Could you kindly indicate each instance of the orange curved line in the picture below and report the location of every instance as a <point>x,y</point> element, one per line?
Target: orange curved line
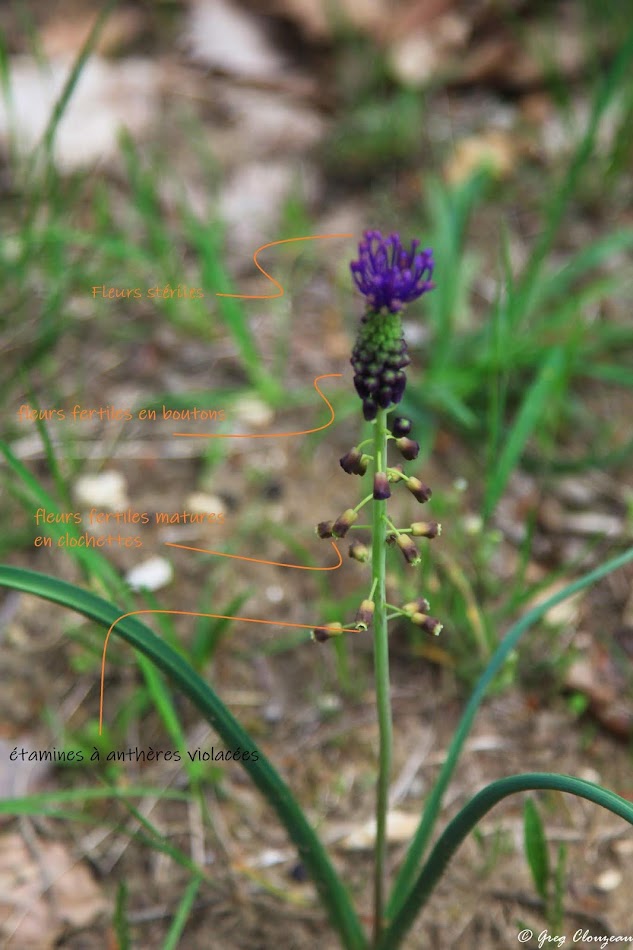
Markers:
<point>309,237</point>
<point>257,560</point>
<point>267,435</point>
<point>191,613</point>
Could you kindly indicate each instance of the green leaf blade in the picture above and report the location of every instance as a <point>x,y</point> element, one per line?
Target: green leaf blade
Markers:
<point>536,848</point>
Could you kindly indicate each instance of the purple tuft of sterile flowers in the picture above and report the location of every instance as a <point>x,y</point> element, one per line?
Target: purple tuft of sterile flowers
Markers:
<point>387,275</point>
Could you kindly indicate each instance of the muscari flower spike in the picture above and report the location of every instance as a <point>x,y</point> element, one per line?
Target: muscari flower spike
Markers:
<point>389,277</point>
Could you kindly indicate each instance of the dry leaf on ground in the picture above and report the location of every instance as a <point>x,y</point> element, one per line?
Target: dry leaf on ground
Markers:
<point>67,34</point>
<point>252,200</point>
<point>107,97</point>
<point>42,893</point>
<point>18,778</point>
<point>220,35</point>
<point>494,150</point>
<point>401,827</point>
<point>596,677</point>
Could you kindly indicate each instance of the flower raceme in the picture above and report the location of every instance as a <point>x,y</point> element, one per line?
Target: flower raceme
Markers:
<point>402,538</point>
<point>389,277</point>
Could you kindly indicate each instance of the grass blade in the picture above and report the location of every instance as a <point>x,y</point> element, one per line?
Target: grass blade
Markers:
<point>527,419</point>
<point>180,917</point>
<point>39,803</point>
<point>73,78</point>
<point>120,922</point>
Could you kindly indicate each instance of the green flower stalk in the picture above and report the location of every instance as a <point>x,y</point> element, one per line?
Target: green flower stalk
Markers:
<point>389,277</point>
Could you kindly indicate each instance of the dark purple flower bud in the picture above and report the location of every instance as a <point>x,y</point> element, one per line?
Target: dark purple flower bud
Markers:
<point>359,551</point>
<point>370,409</point>
<point>426,529</point>
<point>351,461</point>
<point>430,624</point>
<point>398,388</point>
<point>361,388</point>
<point>324,529</point>
<point>398,361</point>
<point>384,397</point>
<point>418,490</point>
<point>344,522</point>
<point>408,548</point>
<point>365,614</point>
<point>322,634</point>
<point>409,448</point>
<point>421,605</point>
<point>401,426</point>
<point>381,487</point>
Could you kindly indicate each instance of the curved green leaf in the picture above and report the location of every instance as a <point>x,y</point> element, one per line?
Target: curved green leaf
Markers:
<point>331,889</point>
<point>420,840</point>
<point>463,823</point>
